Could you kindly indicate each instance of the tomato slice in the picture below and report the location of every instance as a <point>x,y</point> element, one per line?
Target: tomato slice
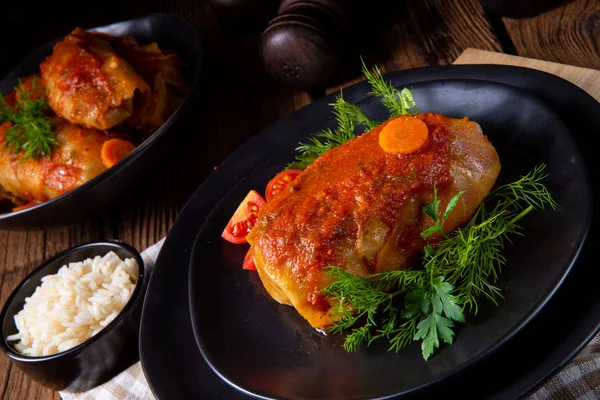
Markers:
<point>249,263</point>
<point>280,182</point>
<point>244,218</point>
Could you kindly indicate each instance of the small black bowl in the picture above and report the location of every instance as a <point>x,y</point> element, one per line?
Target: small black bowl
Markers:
<point>99,358</point>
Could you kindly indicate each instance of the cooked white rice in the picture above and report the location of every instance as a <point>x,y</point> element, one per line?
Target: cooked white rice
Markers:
<point>74,304</point>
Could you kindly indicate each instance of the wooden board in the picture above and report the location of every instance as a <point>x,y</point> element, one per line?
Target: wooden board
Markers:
<point>585,78</point>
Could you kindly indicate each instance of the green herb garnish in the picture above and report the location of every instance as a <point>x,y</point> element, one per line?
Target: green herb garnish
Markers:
<point>349,116</point>
<point>346,116</point>
<point>398,102</point>
<point>31,131</point>
<point>424,304</point>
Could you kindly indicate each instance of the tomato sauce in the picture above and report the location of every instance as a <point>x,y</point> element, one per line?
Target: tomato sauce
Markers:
<point>326,207</point>
<point>81,75</point>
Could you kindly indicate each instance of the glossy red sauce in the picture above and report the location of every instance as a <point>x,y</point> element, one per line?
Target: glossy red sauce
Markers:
<point>61,177</point>
<point>350,185</point>
<point>79,73</point>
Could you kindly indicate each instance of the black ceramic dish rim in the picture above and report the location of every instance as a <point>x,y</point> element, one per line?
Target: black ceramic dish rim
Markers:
<point>138,293</point>
<point>131,157</point>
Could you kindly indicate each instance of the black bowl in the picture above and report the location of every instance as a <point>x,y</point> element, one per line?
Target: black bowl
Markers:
<point>123,179</point>
<point>96,360</point>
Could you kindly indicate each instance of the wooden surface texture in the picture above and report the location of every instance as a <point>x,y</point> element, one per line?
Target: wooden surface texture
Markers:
<point>586,78</point>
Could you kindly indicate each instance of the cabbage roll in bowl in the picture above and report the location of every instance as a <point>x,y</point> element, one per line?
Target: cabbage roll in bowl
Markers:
<point>95,98</point>
<point>101,81</point>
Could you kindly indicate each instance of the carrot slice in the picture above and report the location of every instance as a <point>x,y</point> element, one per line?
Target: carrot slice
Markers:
<point>403,135</point>
<point>114,150</point>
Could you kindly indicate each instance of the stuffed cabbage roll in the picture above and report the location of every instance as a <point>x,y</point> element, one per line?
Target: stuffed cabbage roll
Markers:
<point>75,159</point>
<point>162,70</point>
<point>89,84</point>
<point>360,208</point>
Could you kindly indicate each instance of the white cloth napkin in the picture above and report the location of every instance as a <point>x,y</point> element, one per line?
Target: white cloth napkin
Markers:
<point>580,379</point>
<point>128,385</point>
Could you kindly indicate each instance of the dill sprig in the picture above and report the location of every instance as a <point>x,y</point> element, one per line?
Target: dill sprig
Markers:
<point>453,276</point>
<point>398,102</point>
<point>472,259</point>
<point>30,130</point>
<point>365,299</point>
<point>349,117</point>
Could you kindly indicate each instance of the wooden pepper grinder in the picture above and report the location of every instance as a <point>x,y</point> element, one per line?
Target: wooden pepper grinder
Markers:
<point>301,46</point>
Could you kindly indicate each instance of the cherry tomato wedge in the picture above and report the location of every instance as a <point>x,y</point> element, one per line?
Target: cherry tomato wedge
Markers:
<point>280,182</point>
<point>244,218</point>
<point>249,260</point>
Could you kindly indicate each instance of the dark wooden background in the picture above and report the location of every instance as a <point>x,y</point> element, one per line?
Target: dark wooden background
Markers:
<point>238,99</point>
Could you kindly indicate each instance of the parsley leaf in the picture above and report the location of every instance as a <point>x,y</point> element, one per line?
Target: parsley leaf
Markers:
<point>438,307</point>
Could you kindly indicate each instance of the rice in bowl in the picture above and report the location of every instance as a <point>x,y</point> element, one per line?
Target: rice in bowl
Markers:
<point>74,304</point>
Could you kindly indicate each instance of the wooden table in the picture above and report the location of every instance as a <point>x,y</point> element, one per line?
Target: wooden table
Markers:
<point>240,98</point>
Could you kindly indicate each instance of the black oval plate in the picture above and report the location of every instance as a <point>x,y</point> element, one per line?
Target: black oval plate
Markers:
<point>179,370</point>
<point>113,185</point>
<point>246,336</point>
